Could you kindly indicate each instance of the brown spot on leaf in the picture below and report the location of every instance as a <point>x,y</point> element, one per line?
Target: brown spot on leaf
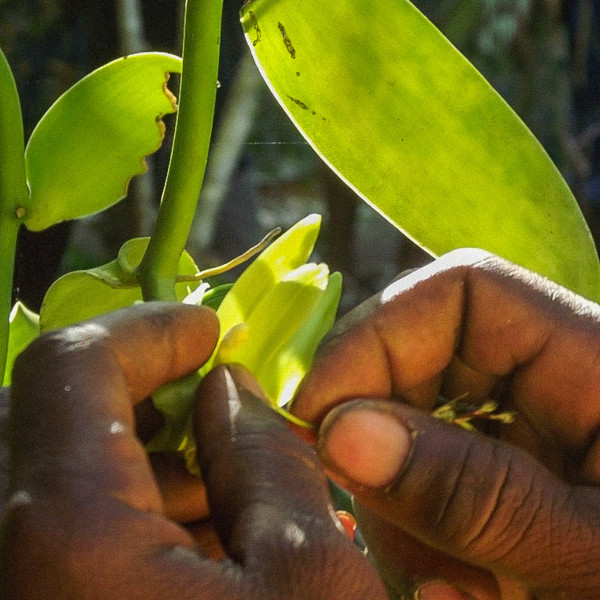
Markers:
<point>299,103</point>
<point>256,28</point>
<point>286,40</point>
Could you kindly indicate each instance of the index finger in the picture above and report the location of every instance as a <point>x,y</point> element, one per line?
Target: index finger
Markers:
<point>269,498</point>
<point>460,326</point>
<point>74,389</point>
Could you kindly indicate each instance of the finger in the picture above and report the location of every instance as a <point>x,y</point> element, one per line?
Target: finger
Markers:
<point>148,420</point>
<point>207,540</point>
<point>83,519</point>
<point>73,391</point>
<point>380,355</point>
<point>183,495</point>
<point>268,496</point>
<point>458,326</point>
<point>405,563</point>
<point>480,500</point>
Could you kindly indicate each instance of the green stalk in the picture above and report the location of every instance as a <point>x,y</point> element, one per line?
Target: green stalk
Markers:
<point>8,243</point>
<point>157,272</point>
<point>13,194</point>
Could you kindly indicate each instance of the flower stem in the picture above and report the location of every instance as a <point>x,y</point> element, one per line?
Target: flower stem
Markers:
<point>286,414</point>
<point>157,272</point>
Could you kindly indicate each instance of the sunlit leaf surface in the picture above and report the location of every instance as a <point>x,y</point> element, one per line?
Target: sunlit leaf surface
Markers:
<point>93,140</point>
<point>392,106</point>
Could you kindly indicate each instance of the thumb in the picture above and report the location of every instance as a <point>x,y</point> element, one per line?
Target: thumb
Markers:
<point>475,498</point>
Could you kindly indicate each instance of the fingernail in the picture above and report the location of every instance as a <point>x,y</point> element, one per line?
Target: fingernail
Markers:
<point>244,380</point>
<point>439,590</point>
<point>365,442</point>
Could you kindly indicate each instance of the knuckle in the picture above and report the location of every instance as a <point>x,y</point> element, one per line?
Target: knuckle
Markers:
<point>499,506</point>
<point>61,344</point>
<point>330,567</point>
<point>488,503</point>
<point>300,556</point>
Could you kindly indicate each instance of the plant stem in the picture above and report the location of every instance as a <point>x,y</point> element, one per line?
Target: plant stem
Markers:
<point>8,243</point>
<point>13,194</point>
<point>157,272</point>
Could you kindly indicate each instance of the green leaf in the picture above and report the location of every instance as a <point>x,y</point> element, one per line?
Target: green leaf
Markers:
<point>93,140</point>
<point>214,296</point>
<point>82,295</point>
<point>402,117</point>
<point>175,401</point>
<point>24,328</point>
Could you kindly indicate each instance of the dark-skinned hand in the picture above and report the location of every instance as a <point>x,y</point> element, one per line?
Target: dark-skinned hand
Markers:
<point>513,513</point>
<point>84,517</point>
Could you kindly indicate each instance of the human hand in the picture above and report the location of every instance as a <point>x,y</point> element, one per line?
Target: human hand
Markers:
<point>85,518</point>
<point>511,514</point>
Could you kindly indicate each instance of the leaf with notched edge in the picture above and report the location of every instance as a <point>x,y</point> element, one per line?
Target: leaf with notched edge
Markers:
<point>95,137</point>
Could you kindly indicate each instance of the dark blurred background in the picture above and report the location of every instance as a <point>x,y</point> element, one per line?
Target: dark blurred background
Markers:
<point>543,56</point>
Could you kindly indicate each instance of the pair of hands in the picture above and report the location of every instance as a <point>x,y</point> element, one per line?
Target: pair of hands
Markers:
<point>513,514</point>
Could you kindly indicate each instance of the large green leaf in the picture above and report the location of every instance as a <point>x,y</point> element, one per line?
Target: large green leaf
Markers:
<point>402,116</point>
<point>93,140</point>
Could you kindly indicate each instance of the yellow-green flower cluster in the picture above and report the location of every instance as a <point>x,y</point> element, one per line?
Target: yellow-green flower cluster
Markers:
<point>271,321</point>
<point>277,312</point>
